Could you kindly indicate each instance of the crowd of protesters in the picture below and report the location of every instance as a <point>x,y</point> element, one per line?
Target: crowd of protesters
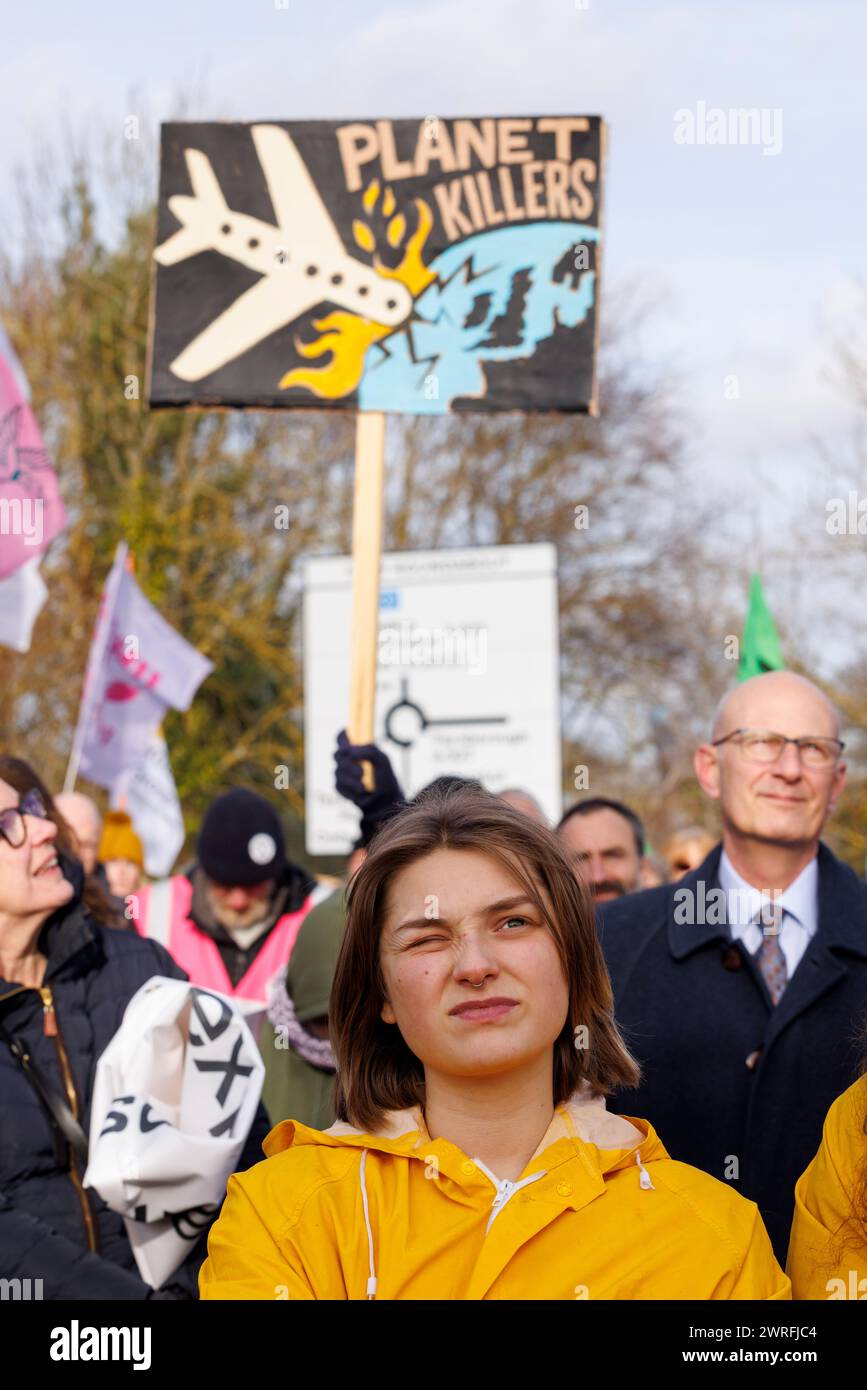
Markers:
<point>493,1053</point>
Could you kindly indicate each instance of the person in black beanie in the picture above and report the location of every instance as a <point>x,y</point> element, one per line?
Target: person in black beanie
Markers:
<point>231,919</point>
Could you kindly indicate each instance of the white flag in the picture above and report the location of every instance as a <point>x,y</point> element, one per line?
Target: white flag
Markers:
<point>148,794</point>
<point>138,667</point>
<point>8,351</point>
<point>22,595</point>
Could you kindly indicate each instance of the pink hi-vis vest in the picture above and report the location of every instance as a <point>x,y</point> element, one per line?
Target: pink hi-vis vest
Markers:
<point>162,914</point>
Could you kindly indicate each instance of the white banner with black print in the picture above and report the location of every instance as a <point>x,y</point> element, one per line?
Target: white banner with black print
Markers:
<point>174,1097</point>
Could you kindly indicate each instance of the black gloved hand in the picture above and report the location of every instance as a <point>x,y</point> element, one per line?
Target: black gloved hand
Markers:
<point>375,806</point>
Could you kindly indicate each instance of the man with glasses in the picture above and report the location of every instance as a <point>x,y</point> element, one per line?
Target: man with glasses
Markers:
<point>741,988</point>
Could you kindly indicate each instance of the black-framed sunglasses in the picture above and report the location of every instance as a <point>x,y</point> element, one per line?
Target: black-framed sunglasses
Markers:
<point>12,826</point>
<point>763,746</point>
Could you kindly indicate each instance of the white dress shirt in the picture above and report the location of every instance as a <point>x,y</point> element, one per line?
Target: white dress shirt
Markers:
<point>800,904</point>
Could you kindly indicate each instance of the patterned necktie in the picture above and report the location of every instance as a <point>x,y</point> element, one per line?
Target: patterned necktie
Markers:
<point>769,957</point>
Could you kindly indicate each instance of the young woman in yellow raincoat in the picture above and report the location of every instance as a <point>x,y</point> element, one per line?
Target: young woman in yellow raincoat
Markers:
<point>828,1246</point>
<point>471,1018</point>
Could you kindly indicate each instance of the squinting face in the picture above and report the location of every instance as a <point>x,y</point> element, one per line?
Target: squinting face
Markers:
<point>603,849</point>
<point>784,802</point>
<point>473,976</point>
<point>32,883</point>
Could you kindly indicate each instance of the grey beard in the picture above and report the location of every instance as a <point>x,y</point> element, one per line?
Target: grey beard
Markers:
<point>245,936</point>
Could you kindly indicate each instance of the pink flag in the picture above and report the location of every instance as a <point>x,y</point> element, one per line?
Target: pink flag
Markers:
<point>31,508</point>
<point>138,668</point>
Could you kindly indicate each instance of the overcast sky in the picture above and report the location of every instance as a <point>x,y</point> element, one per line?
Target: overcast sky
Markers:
<point>754,254</point>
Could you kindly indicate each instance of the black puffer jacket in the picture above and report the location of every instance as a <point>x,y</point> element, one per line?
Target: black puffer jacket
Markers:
<point>50,1229</point>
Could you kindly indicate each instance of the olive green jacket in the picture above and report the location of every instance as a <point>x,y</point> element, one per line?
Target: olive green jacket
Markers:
<point>293,1088</point>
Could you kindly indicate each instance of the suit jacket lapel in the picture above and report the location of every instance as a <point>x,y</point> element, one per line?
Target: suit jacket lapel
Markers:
<point>693,900</point>
<point>842,930</point>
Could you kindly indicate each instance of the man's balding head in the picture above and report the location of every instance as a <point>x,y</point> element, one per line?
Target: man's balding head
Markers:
<point>83,818</point>
<point>772,696</point>
<point>525,803</point>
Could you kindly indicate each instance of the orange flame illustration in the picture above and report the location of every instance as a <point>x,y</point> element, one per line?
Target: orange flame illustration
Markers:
<point>346,336</point>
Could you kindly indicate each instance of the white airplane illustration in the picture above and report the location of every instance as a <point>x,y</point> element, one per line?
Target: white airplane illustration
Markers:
<point>302,260</point>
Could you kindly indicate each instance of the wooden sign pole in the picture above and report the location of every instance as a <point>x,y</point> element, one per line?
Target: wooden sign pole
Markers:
<point>366,551</point>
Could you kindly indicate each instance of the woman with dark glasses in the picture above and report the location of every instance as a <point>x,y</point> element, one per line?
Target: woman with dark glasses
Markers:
<point>65,981</point>
<point>94,896</point>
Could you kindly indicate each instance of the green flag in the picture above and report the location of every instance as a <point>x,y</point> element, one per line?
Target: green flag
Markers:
<point>760,647</point>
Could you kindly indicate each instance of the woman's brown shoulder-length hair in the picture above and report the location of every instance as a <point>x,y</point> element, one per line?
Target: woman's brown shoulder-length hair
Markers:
<point>376,1071</point>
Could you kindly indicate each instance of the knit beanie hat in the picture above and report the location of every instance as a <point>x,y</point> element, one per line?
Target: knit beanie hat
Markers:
<point>241,839</point>
<point>119,840</point>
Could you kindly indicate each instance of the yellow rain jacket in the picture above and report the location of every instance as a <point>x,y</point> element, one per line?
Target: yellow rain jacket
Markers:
<point>601,1211</point>
<point>828,1246</point>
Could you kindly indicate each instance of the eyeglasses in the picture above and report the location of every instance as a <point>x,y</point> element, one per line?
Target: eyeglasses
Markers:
<point>762,746</point>
<point>12,826</point>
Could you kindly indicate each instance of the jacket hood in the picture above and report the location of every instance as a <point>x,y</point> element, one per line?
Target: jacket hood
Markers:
<point>606,1141</point>
<point>583,1143</point>
<point>341,1214</point>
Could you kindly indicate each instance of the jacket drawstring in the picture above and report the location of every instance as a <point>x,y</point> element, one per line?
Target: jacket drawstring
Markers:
<point>371,1282</point>
<point>645,1179</point>
<point>505,1190</point>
